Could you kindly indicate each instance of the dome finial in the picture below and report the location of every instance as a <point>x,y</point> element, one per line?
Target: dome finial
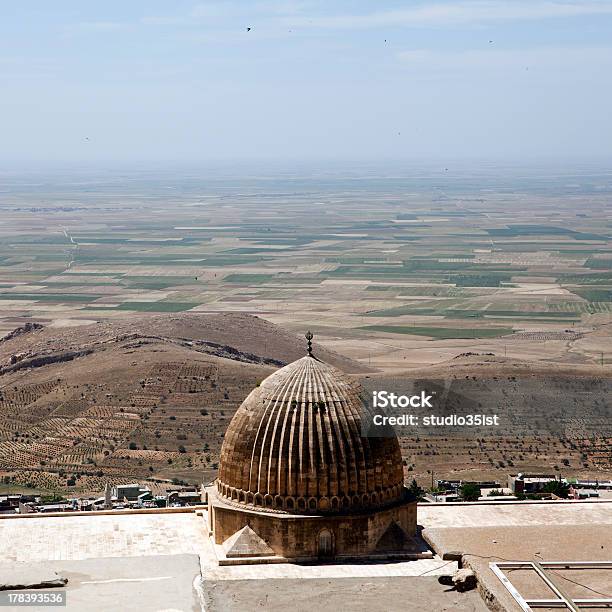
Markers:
<point>308,335</point>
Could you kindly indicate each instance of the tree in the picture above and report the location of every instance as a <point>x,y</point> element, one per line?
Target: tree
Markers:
<point>469,492</point>
<point>415,491</point>
<point>558,488</point>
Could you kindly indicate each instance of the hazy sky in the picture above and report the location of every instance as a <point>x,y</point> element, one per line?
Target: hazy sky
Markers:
<point>186,81</point>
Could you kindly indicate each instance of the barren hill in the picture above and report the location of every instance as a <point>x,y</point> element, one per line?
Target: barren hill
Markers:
<point>236,336</point>
<point>136,398</point>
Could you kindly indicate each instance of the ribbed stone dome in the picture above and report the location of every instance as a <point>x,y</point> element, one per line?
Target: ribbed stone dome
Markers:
<point>295,445</point>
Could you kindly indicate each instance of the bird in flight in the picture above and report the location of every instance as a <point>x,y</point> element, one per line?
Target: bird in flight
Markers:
<point>248,29</point>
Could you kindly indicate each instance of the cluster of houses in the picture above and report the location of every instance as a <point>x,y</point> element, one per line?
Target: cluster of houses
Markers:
<point>533,484</point>
<point>135,496</point>
<point>119,497</point>
<point>518,486</point>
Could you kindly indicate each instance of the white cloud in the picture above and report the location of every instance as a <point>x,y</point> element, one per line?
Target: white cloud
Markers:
<point>213,10</point>
<point>309,15</point>
<point>164,20</point>
<point>540,60</point>
<point>263,8</point>
<point>100,26</point>
<point>462,12</point>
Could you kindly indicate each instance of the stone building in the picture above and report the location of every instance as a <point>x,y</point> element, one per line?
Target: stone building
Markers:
<point>298,481</point>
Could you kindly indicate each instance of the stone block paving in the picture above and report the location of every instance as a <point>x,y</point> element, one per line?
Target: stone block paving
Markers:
<point>90,537</point>
<point>75,537</point>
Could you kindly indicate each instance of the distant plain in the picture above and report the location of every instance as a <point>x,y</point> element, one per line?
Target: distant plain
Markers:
<point>395,269</point>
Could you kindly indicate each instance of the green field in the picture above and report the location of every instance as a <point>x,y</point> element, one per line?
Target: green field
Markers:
<point>155,306</point>
<point>248,279</point>
<point>594,295</point>
<point>442,333</point>
<point>468,256</point>
<point>50,297</point>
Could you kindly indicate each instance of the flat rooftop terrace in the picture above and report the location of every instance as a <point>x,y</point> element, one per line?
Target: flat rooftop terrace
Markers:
<point>539,531</point>
<point>139,552</point>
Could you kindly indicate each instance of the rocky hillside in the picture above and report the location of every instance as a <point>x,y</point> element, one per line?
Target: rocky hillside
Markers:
<point>151,397</point>
<point>138,398</point>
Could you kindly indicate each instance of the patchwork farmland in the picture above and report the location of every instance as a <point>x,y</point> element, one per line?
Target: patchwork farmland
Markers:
<point>376,267</point>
